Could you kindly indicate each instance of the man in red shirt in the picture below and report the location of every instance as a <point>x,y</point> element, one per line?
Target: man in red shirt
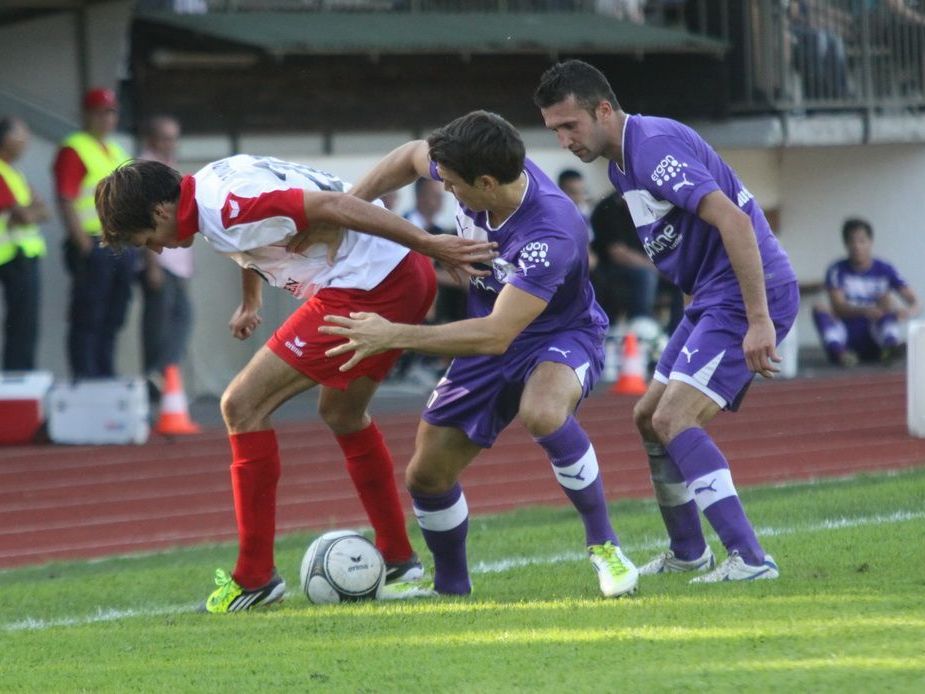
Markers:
<point>101,279</point>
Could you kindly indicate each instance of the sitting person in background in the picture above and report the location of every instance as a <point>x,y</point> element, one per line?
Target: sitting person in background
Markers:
<point>862,323</point>
<point>625,281</point>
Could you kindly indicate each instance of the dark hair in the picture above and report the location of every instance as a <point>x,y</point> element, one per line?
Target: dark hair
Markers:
<point>567,175</point>
<point>6,124</point>
<point>853,223</point>
<point>576,78</point>
<point>479,144</point>
<point>126,198</point>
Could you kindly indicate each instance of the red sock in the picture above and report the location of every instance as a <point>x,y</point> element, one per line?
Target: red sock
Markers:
<point>254,473</point>
<point>369,464</point>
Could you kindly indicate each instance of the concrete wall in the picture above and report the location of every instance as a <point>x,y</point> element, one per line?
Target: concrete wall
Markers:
<point>52,78</point>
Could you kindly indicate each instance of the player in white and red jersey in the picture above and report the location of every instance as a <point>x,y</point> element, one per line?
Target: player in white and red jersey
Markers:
<point>258,211</point>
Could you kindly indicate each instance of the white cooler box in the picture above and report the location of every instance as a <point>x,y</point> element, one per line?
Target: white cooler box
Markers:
<point>99,411</point>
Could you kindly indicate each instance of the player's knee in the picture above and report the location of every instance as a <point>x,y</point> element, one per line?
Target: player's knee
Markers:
<point>232,408</point>
<point>542,419</point>
<point>422,478</point>
<point>663,424</point>
<point>343,420</point>
<point>642,417</point>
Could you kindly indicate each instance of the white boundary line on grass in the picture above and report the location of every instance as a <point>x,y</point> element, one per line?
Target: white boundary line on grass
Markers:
<point>111,615</point>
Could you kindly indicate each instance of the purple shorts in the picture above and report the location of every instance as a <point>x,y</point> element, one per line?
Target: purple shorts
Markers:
<point>705,350</point>
<point>481,395</point>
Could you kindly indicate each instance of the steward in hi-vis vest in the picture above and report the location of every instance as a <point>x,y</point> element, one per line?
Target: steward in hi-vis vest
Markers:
<point>21,246</point>
<point>101,279</point>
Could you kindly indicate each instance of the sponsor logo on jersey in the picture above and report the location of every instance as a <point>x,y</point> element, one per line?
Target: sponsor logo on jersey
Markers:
<point>533,255</point>
<point>666,240</point>
<point>743,196</point>
<point>667,168</point>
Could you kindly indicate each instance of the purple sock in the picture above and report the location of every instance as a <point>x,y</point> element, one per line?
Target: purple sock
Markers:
<point>678,508</point>
<point>708,478</point>
<point>575,465</point>
<point>444,521</point>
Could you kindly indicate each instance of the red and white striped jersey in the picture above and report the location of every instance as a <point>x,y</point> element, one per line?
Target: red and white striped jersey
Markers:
<point>248,209</point>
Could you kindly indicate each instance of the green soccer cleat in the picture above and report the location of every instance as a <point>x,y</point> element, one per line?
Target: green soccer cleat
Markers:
<point>408,590</point>
<point>230,597</point>
<point>617,575</point>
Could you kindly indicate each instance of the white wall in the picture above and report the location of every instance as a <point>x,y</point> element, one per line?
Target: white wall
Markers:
<point>821,187</point>
<point>50,77</point>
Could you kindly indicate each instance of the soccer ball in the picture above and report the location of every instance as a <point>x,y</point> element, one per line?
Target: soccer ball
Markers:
<point>342,566</point>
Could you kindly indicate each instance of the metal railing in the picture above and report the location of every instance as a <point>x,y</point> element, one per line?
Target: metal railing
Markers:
<point>831,55</point>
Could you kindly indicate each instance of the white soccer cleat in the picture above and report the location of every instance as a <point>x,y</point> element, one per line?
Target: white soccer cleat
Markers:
<point>668,563</point>
<point>616,574</point>
<point>735,569</point>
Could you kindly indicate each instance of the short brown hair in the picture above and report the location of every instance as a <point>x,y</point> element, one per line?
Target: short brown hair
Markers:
<point>126,198</point>
<point>479,144</point>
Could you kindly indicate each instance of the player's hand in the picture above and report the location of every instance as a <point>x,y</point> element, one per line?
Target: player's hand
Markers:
<point>244,322</point>
<point>329,235</point>
<point>367,334</point>
<point>759,347</point>
<point>457,254</point>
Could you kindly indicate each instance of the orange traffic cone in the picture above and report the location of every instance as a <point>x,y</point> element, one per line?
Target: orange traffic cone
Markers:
<point>632,380</point>
<point>174,417</point>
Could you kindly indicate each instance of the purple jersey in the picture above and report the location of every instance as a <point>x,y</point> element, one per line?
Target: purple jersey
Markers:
<point>669,169</point>
<point>864,287</point>
<point>542,250</point>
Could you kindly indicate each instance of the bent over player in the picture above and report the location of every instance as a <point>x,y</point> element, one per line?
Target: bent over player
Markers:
<point>258,212</point>
<point>532,346</point>
<point>704,230</point>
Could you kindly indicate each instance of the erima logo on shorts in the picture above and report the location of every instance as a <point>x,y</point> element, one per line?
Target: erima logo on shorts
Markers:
<point>295,346</point>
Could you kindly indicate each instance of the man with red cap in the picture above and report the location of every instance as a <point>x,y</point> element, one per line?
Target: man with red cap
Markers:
<point>101,279</point>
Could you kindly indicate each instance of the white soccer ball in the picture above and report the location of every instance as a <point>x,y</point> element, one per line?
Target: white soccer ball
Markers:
<point>342,566</point>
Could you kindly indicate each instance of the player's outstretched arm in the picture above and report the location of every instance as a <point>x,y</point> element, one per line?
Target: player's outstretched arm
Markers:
<point>401,166</point>
<point>368,333</point>
<point>735,228</point>
<point>350,212</point>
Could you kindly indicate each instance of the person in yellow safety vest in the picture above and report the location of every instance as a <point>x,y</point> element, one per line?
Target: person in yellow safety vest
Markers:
<point>21,246</point>
<point>101,279</point>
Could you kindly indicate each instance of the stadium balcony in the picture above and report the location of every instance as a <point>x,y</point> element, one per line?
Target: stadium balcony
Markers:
<point>386,64</point>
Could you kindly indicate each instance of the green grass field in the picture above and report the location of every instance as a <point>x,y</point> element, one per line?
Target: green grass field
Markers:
<point>848,613</point>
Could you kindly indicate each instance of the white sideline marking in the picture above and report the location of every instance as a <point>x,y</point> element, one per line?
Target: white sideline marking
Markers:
<point>111,615</point>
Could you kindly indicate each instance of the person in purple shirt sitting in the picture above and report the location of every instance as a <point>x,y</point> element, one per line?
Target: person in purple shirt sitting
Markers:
<point>532,346</point>
<point>704,230</point>
<point>863,322</point>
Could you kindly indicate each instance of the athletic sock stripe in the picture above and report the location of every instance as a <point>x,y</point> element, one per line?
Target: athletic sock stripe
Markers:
<point>443,519</point>
<point>712,487</point>
<point>579,474</point>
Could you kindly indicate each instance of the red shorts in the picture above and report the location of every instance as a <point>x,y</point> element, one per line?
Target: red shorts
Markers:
<point>404,296</point>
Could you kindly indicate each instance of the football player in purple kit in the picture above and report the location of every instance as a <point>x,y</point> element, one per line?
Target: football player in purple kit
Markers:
<point>862,323</point>
<point>532,347</point>
<point>703,229</point>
